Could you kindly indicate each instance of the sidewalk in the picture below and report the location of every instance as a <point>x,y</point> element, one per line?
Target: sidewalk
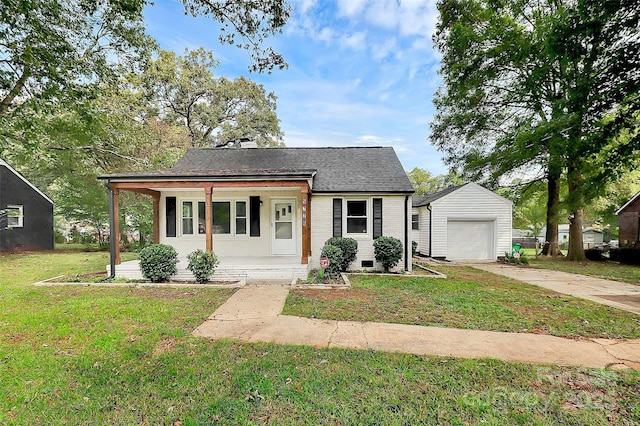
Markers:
<point>611,293</point>
<point>252,314</point>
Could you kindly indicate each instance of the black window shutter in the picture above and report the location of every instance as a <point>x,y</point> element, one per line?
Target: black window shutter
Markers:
<point>254,216</point>
<point>377,218</point>
<point>337,217</point>
<point>171,216</point>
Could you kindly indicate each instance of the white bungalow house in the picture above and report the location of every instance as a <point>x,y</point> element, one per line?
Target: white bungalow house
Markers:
<point>465,222</point>
<point>267,212</point>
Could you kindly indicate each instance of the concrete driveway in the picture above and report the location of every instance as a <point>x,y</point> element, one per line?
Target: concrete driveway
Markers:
<point>611,293</point>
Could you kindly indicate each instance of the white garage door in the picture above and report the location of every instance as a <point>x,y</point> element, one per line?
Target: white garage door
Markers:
<point>470,240</point>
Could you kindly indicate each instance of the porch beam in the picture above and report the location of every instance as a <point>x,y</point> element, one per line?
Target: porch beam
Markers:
<point>145,191</point>
<point>147,185</point>
<point>208,217</point>
<point>116,225</point>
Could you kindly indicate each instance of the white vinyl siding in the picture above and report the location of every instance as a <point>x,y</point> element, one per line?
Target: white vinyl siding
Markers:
<point>469,203</point>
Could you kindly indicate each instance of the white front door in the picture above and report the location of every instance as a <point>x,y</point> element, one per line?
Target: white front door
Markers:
<point>283,226</point>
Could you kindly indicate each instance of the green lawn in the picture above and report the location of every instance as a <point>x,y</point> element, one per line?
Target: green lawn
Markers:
<point>468,298</point>
<point>607,270</point>
<point>91,355</point>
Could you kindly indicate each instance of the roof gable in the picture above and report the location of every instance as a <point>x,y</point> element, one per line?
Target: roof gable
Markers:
<point>425,200</point>
<point>15,172</point>
<point>628,204</point>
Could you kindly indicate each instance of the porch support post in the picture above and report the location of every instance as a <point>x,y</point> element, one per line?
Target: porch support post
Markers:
<point>208,217</point>
<point>306,224</point>
<point>156,219</point>
<point>116,225</point>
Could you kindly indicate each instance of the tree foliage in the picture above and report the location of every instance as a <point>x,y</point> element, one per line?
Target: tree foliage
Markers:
<point>246,24</point>
<point>425,183</point>
<point>182,90</point>
<point>541,88</point>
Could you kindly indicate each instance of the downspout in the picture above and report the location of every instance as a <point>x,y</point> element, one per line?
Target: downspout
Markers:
<point>112,237</point>
<point>430,228</point>
<point>406,232</point>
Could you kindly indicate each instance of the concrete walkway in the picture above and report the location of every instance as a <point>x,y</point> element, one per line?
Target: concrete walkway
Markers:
<point>252,314</point>
<point>611,293</point>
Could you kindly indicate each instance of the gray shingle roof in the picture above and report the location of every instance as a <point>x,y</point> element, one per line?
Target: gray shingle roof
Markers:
<point>425,200</point>
<point>357,169</point>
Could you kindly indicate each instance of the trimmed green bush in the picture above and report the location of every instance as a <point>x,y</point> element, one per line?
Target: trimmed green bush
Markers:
<point>349,248</point>
<point>388,251</point>
<point>158,262</point>
<point>334,254</point>
<point>202,264</point>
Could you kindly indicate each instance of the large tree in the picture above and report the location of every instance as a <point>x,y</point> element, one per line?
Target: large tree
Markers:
<point>425,183</point>
<point>540,89</point>
<point>58,53</point>
<point>215,111</point>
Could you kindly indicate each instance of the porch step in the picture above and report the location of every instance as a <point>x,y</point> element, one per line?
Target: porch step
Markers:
<point>131,270</point>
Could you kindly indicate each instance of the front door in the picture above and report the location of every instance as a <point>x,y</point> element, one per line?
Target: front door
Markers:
<point>283,225</point>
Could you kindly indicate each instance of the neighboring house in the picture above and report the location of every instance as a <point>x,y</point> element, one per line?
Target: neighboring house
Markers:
<point>629,223</point>
<point>248,203</point>
<point>27,219</point>
<point>465,222</point>
<point>591,237</point>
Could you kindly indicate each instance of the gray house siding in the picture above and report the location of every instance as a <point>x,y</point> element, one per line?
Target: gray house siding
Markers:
<point>36,232</point>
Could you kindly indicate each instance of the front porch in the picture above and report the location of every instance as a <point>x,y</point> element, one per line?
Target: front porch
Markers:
<point>231,269</point>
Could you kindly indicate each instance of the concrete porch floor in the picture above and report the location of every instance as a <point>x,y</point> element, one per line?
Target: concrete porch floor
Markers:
<point>231,268</point>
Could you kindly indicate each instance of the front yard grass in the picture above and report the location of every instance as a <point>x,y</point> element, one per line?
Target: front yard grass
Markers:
<point>607,270</point>
<point>467,298</point>
<point>96,355</point>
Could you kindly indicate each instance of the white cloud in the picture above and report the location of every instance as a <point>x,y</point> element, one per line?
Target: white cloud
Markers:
<point>350,8</point>
<point>410,17</point>
<point>304,5</point>
<point>325,35</point>
<point>370,139</point>
<point>355,41</point>
<point>381,51</point>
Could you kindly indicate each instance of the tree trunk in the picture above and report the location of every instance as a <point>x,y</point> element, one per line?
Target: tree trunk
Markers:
<point>551,247</point>
<point>576,197</point>
<point>576,248</point>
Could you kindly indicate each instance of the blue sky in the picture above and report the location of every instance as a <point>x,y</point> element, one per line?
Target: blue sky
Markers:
<point>361,72</point>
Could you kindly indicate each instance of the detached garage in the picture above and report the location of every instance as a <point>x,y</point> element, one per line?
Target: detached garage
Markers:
<point>465,222</point>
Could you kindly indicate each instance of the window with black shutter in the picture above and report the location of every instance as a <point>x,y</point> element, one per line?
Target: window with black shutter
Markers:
<point>377,218</point>
<point>254,216</point>
<point>171,216</point>
<point>337,217</point>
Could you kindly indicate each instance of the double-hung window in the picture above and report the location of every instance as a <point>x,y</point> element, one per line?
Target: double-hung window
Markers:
<point>241,217</point>
<point>15,216</point>
<point>415,222</point>
<point>356,216</point>
<point>187,217</point>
